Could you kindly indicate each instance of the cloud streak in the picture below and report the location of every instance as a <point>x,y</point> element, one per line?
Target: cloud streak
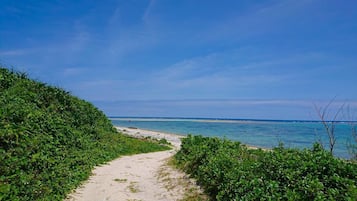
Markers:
<point>234,108</point>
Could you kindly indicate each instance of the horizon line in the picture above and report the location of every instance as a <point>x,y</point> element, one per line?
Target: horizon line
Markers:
<point>229,119</point>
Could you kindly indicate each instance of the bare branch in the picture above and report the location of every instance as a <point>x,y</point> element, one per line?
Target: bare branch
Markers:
<point>329,124</point>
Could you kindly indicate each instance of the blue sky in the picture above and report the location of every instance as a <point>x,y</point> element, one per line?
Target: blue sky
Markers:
<point>270,59</point>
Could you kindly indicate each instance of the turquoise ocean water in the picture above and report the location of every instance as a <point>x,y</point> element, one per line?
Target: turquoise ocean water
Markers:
<point>261,133</point>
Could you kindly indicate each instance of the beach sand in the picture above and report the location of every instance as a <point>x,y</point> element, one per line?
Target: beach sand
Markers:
<point>174,139</point>
<point>146,177</point>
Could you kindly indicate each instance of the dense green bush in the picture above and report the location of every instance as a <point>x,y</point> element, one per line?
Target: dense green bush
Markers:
<point>228,170</point>
<point>50,140</point>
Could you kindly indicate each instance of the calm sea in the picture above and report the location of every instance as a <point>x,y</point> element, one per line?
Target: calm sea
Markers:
<point>260,133</point>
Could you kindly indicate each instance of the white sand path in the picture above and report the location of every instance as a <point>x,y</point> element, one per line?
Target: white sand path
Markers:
<point>145,177</point>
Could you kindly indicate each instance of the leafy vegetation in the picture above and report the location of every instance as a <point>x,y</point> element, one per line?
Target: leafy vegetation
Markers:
<point>50,140</point>
<point>228,170</point>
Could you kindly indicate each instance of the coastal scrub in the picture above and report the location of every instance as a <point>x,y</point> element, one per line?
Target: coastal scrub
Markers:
<point>228,170</point>
<point>50,140</point>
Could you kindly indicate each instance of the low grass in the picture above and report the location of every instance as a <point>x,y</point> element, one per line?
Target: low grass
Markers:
<point>172,182</point>
<point>121,180</point>
<point>133,187</point>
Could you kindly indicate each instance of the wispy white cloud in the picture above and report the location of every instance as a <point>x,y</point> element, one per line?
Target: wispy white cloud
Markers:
<point>232,74</point>
<point>146,16</point>
<point>115,17</point>
<point>123,39</point>
<point>206,72</point>
<point>69,72</point>
<point>258,109</point>
<point>192,67</point>
<point>226,108</point>
<point>15,52</point>
<point>260,19</point>
<point>80,38</point>
<point>98,83</point>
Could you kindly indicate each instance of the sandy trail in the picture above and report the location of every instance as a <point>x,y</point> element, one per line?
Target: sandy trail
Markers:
<point>145,177</point>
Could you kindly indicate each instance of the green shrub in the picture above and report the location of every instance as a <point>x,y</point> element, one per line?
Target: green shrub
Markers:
<point>50,140</point>
<point>229,171</point>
